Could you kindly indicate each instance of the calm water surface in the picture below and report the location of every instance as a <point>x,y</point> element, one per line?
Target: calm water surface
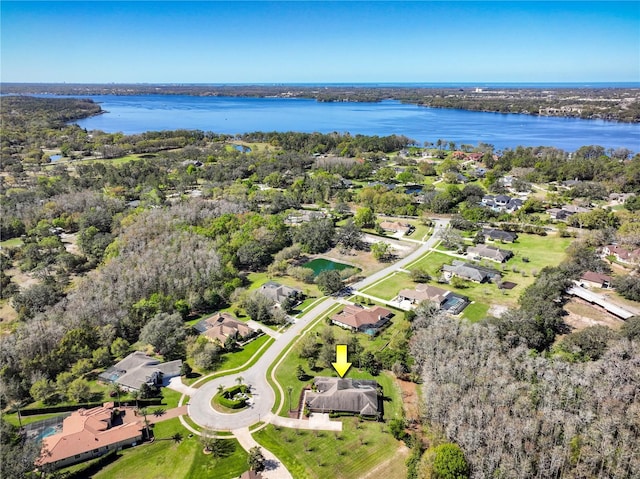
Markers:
<point>137,114</point>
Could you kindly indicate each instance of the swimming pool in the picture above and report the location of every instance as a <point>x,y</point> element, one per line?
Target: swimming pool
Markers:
<point>49,431</point>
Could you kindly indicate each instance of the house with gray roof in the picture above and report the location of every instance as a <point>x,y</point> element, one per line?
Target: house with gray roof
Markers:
<point>357,396</point>
<point>138,369</point>
<point>499,235</point>
<point>278,292</point>
<point>490,252</point>
<point>472,272</point>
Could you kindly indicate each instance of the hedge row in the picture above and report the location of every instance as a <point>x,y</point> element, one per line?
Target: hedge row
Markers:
<point>89,405</point>
<point>53,409</point>
<point>223,398</point>
<point>230,403</point>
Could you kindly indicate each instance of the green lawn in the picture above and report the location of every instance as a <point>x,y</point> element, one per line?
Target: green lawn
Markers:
<point>389,287</point>
<point>170,398</point>
<point>166,459</point>
<point>13,242</point>
<point>237,359</point>
<point>475,312</point>
<point>13,418</point>
<point>323,454</point>
<point>540,251</point>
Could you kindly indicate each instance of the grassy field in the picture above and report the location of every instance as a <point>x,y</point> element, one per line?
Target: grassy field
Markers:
<point>322,454</point>
<point>166,459</point>
<point>238,358</point>
<point>11,243</point>
<point>475,312</point>
<point>389,287</point>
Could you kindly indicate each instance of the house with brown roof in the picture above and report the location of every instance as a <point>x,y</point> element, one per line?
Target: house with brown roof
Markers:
<point>331,394</point>
<point>222,326</point>
<point>397,227</point>
<point>590,279</point>
<point>423,292</point>
<point>90,433</point>
<point>446,300</point>
<point>357,318</point>
<point>621,254</point>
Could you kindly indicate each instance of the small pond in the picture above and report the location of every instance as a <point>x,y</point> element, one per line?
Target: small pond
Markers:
<point>242,148</point>
<point>320,264</point>
<point>55,157</point>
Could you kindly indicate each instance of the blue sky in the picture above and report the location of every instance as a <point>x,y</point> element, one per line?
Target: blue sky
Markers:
<point>314,42</point>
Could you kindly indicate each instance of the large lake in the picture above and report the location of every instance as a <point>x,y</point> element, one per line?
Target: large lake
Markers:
<point>137,114</point>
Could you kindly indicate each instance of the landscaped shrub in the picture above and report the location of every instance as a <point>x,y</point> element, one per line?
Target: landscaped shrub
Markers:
<point>224,398</point>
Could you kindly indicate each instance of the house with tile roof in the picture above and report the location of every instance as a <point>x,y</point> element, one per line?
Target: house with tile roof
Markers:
<point>357,396</point>
<point>138,369</point>
<point>222,326</point>
<point>360,319</point>
<point>90,433</point>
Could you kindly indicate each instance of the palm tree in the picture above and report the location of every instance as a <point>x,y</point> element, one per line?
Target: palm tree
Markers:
<point>135,394</point>
<point>289,390</point>
<point>116,389</point>
<point>144,411</point>
<point>239,380</point>
<point>220,389</point>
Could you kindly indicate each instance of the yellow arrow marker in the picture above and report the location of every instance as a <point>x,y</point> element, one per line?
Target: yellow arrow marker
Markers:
<point>341,365</point>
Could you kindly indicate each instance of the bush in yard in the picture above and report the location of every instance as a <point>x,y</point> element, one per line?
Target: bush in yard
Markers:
<point>445,461</point>
<point>329,282</point>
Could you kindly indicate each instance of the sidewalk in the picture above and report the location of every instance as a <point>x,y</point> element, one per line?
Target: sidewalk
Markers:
<point>274,469</point>
<point>169,414</point>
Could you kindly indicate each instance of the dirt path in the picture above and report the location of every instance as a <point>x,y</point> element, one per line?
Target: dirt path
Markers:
<point>410,400</point>
<point>581,314</point>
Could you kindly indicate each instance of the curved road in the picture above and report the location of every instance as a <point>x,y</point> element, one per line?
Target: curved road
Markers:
<point>200,409</point>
